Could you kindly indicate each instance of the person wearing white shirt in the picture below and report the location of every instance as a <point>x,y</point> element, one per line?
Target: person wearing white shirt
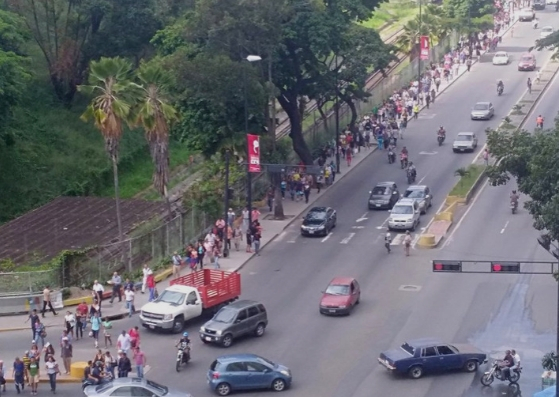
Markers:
<point>124,342</point>
<point>516,358</point>
<point>129,296</point>
<point>146,271</point>
<point>98,292</point>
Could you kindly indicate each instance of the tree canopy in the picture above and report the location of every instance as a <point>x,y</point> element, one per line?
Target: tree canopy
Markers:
<point>528,158</point>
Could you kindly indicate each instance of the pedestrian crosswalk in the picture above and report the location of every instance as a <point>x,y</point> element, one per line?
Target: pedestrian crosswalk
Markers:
<point>293,237</point>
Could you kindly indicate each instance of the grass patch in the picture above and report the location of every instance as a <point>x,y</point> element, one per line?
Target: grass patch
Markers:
<point>391,16</point>
<point>466,182</point>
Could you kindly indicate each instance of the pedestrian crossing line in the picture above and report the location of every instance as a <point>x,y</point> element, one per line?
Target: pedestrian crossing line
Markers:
<point>398,239</point>
<point>346,240</point>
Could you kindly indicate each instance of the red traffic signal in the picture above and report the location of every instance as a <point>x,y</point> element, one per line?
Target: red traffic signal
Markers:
<point>447,266</point>
<point>505,267</point>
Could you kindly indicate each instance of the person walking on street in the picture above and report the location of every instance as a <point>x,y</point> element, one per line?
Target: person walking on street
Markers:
<point>129,296</point>
<point>177,262</point>
<point>70,322</point>
<point>98,291</point>
<point>124,342</point>
<point>95,328</point>
<point>47,302</point>
<point>216,253</point>
<point>52,370</point>
<point>407,243</point>
<point>140,361</point>
<point>18,373</point>
<point>116,282</point>
<point>33,375</point>
<point>124,365</point>
<point>486,157</point>
<point>237,237</point>
<point>427,99</point>
<point>151,287</point>
<point>433,94</point>
<point>107,326</point>
<point>145,273</point>
<point>415,110</point>
<point>33,318</point>
<point>66,352</point>
<point>469,63</point>
<point>256,236</point>
<point>2,376</point>
<point>529,84</point>
<point>40,332</point>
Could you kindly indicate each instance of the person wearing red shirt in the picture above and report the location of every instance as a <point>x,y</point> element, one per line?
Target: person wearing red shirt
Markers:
<point>150,283</point>
<point>134,336</point>
<point>81,319</point>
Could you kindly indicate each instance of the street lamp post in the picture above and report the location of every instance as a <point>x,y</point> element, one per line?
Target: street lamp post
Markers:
<point>419,54</point>
<point>337,106</point>
<point>250,58</point>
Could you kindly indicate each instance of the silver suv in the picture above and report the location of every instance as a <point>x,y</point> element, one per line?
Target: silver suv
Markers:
<point>404,215</point>
<point>233,321</point>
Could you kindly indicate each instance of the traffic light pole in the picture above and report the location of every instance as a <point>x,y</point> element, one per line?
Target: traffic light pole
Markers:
<point>509,267</point>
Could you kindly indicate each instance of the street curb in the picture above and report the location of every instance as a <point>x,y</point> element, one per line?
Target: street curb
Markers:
<point>45,380</point>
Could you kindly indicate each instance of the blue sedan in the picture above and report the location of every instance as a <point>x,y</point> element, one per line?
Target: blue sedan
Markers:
<point>416,357</point>
<point>234,372</point>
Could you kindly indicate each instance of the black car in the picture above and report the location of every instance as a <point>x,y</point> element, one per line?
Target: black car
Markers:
<point>319,221</point>
<point>383,196</point>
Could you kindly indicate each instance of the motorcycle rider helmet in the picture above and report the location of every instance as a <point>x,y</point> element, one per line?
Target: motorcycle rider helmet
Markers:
<point>185,334</point>
<point>514,192</point>
<point>411,163</point>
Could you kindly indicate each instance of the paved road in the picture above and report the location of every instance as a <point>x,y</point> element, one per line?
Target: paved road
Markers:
<point>337,356</point>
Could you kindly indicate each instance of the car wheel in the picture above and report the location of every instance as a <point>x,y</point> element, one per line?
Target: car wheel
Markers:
<point>259,330</point>
<point>227,340</point>
<point>454,150</point>
<point>178,325</point>
<point>413,226</point>
<point>223,389</point>
<point>471,366</point>
<point>416,372</point>
<point>278,385</point>
<point>358,299</point>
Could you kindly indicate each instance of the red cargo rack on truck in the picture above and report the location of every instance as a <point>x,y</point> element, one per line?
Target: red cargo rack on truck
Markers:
<point>215,286</point>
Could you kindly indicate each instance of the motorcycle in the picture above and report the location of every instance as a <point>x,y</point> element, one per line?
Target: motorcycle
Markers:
<point>391,156</point>
<point>183,357</point>
<point>500,90</point>
<point>539,125</point>
<point>513,206</point>
<point>411,177</point>
<point>404,161</point>
<point>496,372</point>
<point>88,382</point>
<point>440,139</point>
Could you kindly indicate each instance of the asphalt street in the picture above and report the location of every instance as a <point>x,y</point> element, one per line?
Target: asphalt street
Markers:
<point>401,297</point>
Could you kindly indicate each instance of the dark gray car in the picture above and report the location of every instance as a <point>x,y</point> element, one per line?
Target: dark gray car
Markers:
<point>383,196</point>
<point>240,318</point>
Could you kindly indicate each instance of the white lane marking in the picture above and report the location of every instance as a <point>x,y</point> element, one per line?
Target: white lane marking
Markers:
<point>398,239</point>
<point>291,241</point>
<point>361,219</point>
<point>364,215</point>
<point>346,240</point>
<point>383,224</point>
<point>327,237</point>
<point>358,227</point>
<point>470,206</point>
<point>421,180</point>
<point>428,153</point>
<point>504,227</point>
<point>281,236</point>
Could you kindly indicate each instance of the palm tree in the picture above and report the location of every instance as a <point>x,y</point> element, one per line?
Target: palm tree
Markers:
<point>109,79</point>
<point>155,115</point>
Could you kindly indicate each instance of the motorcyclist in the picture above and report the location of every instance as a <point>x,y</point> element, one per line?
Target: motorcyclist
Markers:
<point>514,198</point>
<point>411,170</point>
<point>184,344</point>
<point>500,85</point>
<point>96,374</point>
<point>506,364</point>
<point>442,132</point>
<point>539,121</point>
<point>387,241</point>
<point>404,157</point>
<point>535,23</point>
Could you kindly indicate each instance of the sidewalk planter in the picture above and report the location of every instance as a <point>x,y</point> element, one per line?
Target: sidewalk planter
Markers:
<point>427,241</point>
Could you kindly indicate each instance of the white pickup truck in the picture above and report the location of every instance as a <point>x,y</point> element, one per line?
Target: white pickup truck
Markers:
<point>188,297</point>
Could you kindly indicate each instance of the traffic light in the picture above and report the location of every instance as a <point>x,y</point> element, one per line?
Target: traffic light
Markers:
<point>447,266</point>
<point>505,267</point>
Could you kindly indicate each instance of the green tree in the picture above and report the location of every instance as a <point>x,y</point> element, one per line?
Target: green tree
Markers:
<point>469,16</point>
<point>109,82</point>
<point>550,42</point>
<point>155,115</point>
<point>526,158</point>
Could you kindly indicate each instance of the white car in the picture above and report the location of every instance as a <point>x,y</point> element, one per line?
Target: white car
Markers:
<point>546,31</point>
<point>501,58</point>
<point>551,2</point>
<point>526,14</point>
<point>464,142</point>
<point>404,215</point>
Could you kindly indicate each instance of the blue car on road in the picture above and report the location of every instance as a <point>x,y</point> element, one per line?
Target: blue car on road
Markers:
<point>416,357</point>
<point>235,372</point>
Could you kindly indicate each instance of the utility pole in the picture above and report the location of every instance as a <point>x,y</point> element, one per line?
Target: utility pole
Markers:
<point>419,50</point>
<point>337,108</point>
<point>226,205</point>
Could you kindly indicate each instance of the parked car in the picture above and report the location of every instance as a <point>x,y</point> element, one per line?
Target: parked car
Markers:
<point>132,387</point>
<point>404,215</point>
<point>546,31</point>
<point>233,321</point>
<point>319,221</point>
<point>501,58</point>
<point>526,14</point>
<point>422,196</point>
<point>340,297</point>
<point>247,372</point>
<point>419,356</point>
<point>527,62</point>
<point>190,296</point>
<point>539,4</point>
<point>482,111</point>
<point>383,196</point>
<point>464,142</point>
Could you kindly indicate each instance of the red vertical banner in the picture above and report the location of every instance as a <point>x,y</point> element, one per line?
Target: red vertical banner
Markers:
<point>424,48</point>
<point>253,142</point>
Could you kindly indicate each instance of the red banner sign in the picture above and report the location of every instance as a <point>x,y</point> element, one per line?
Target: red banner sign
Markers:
<point>424,48</point>
<point>253,142</point>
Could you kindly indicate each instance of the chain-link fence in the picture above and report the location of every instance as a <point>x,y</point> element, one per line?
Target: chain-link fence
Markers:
<point>28,282</point>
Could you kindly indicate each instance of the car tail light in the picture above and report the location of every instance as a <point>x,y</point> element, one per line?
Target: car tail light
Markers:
<point>215,375</point>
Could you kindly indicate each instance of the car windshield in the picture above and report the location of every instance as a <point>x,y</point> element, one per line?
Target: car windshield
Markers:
<point>161,390</point>
<point>408,349</point>
<point>380,191</point>
<point>527,59</point>
<point>481,106</point>
<point>172,297</point>
<point>500,55</point>
<point>464,137</point>
<point>547,30</point>
<point>103,388</point>
<point>266,361</point>
<point>225,315</point>
<point>316,216</point>
<point>415,193</point>
<point>402,209</point>
<point>337,290</point>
